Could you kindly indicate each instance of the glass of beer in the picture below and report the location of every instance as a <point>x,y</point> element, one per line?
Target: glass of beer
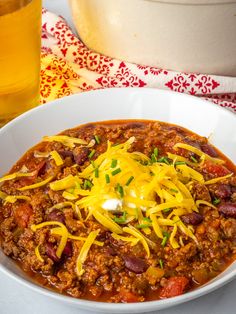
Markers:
<point>20,43</point>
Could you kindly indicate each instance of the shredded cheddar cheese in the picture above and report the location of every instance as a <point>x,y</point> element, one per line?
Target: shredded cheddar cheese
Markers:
<point>64,234</point>
<point>63,184</point>
<point>215,180</point>
<point>62,231</point>
<point>58,231</point>
<point>156,226</point>
<point>56,157</point>
<point>123,187</point>
<point>133,241</point>
<point>36,185</point>
<point>65,140</point>
<point>131,230</point>
<point>14,198</point>
<point>17,175</point>
<point>190,173</point>
<point>37,253</point>
<point>69,196</point>
<point>198,152</point>
<point>148,181</point>
<point>202,202</point>
<point>177,158</point>
<point>84,252</point>
<point>3,195</point>
<point>107,222</point>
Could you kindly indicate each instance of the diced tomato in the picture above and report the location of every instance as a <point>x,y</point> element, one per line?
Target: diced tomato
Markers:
<point>215,169</point>
<point>126,296</point>
<point>22,215</point>
<point>174,286</point>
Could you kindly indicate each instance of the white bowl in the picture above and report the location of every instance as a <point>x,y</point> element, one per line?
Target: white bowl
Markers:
<point>182,35</point>
<point>197,115</point>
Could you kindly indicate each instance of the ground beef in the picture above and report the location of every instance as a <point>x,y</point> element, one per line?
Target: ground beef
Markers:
<point>119,271</point>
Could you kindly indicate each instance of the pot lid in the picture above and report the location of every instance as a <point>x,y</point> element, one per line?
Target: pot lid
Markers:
<point>194,2</point>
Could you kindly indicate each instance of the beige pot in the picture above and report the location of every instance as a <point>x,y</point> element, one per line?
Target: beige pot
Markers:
<point>183,35</point>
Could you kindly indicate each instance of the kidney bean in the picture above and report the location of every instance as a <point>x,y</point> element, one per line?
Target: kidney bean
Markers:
<point>51,252</point>
<point>228,209</point>
<point>209,150</point>
<point>66,153</point>
<point>56,215</point>
<point>223,191</point>
<point>192,218</point>
<point>80,155</point>
<point>135,264</point>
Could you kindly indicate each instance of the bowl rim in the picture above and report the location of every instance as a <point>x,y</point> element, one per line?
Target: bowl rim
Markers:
<point>194,2</point>
<point>130,307</point>
<point>117,90</point>
<point>118,307</point>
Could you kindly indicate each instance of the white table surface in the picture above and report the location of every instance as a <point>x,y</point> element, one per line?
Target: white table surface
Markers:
<point>16,299</point>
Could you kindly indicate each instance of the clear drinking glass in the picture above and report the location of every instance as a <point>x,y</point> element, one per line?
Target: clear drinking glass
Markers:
<point>20,43</point>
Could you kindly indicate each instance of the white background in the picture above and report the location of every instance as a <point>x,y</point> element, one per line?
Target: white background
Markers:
<point>16,299</point>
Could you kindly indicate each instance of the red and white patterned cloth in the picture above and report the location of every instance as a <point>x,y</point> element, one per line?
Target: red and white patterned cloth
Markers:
<point>69,67</point>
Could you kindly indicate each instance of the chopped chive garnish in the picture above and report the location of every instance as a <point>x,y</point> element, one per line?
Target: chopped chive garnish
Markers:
<point>166,210</point>
<point>174,191</point>
<point>166,234</point>
<point>91,153</point>
<point>97,139</point>
<point>113,163</point>
<point>165,239</point>
<point>143,226</point>
<point>161,263</point>
<point>156,151</point>
<point>147,219</point>
<point>164,160</point>
<point>129,181</point>
<point>216,201</point>
<point>93,164</point>
<point>115,144</point>
<point>87,184</point>
<point>193,159</point>
<point>107,178</point>
<point>180,163</point>
<point>118,170</point>
<point>120,219</point>
<point>153,158</point>
<point>120,190</point>
<point>96,173</point>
